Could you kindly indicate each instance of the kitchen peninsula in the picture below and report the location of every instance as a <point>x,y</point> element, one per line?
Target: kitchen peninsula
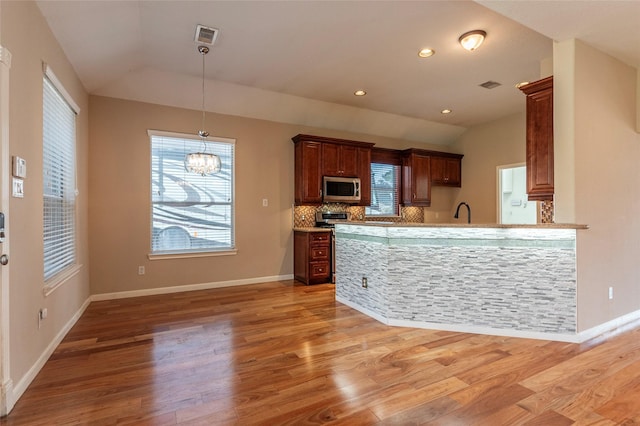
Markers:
<point>514,280</point>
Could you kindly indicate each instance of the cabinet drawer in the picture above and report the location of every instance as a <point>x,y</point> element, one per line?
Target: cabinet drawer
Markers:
<point>320,238</point>
<point>319,270</point>
<point>318,253</point>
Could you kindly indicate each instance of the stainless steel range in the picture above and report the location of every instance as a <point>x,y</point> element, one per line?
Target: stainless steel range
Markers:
<point>328,220</point>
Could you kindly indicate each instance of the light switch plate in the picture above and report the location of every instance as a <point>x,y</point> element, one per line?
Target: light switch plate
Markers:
<point>18,188</point>
<point>19,167</point>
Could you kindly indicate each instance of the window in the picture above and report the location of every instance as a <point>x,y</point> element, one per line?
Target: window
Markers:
<point>385,183</point>
<point>190,213</point>
<point>59,182</point>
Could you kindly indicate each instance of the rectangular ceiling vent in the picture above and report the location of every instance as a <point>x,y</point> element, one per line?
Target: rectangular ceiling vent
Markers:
<point>206,35</point>
<point>490,84</point>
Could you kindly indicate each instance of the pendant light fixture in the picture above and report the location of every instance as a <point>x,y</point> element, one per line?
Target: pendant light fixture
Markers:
<point>202,163</point>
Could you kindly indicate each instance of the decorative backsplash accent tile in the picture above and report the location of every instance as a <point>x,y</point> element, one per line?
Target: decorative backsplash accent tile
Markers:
<point>412,214</point>
<point>305,216</point>
<point>546,212</point>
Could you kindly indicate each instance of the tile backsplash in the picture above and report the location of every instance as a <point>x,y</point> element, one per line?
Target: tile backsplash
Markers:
<point>546,212</point>
<point>305,216</point>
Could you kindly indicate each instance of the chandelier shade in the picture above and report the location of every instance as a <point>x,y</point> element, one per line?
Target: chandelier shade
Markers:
<point>202,163</point>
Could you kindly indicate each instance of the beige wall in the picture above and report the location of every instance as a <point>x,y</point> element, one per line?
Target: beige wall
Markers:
<point>120,191</point>
<point>486,147</point>
<point>607,178</point>
<point>26,35</point>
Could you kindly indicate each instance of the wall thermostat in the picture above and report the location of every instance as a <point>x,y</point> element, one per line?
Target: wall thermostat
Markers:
<point>19,167</point>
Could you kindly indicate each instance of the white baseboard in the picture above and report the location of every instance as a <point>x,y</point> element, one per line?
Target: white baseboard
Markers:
<point>460,328</point>
<point>616,323</point>
<point>16,392</point>
<point>188,287</point>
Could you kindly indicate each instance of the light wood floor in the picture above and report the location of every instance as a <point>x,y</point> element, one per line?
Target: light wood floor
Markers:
<point>283,353</point>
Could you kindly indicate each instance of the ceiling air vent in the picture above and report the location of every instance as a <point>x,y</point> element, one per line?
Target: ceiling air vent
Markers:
<point>490,84</point>
<point>206,35</point>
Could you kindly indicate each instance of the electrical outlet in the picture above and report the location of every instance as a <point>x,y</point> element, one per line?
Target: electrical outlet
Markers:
<point>42,315</point>
<point>140,270</point>
<point>610,293</point>
<point>364,282</point>
<point>265,202</point>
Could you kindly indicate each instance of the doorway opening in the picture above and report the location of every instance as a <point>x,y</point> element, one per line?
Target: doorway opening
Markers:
<point>513,205</point>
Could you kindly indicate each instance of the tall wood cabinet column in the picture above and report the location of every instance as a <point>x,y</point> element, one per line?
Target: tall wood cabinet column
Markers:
<point>540,139</point>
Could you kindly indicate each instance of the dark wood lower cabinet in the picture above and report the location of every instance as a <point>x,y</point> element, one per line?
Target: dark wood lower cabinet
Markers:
<point>312,257</point>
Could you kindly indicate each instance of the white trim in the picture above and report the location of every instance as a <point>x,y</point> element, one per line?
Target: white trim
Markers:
<point>461,328</point>
<point>48,72</point>
<point>26,380</point>
<point>608,326</point>
<point>186,255</point>
<point>5,329</point>
<point>63,277</point>
<point>187,287</point>
<point>152,132</point>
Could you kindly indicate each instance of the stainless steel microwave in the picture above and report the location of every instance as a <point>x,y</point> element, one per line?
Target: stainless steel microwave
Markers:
<point>340,190</point>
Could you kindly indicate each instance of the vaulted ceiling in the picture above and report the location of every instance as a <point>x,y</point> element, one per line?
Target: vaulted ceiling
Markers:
<point>301,61</point>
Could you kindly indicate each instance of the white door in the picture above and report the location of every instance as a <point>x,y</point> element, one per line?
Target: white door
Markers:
<point>513,206</point>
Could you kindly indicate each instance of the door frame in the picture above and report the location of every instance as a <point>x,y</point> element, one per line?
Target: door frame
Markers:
<point>499,170</point>
<point>6,383</point>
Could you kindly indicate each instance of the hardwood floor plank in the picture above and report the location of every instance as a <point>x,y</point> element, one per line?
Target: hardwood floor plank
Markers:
<point>282,353</point>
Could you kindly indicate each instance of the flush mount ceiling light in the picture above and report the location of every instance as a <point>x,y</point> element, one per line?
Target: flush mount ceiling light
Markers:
<point>472,39</point>
<point>202,163</point>
<point>359,93</point>
<point>425,53</point>
<point>445,111</point>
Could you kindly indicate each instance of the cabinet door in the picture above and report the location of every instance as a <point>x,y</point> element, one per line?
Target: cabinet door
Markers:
<point>330,159</point>
<point>540,184</point>
<point>438,170</point>
<point>364,173</point>
<point>540,145</point>
<point>308,177</point>
<point>454,172</point>
<point>416,178</point>
<point>349,161</point>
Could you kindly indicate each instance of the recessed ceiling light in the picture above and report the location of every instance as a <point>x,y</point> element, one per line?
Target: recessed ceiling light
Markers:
<point>425,53</point>
<point>359,93</point>
<point>521,84</point>
<point>472,39</point>
<point>445,111</point>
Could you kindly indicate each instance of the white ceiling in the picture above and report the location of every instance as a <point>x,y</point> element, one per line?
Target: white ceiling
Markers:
<point>301,61</point>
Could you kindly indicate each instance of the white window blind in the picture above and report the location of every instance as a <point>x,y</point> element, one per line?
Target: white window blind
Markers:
<point>190,212</point>
<point>385,190</point>
<point>59,184</point>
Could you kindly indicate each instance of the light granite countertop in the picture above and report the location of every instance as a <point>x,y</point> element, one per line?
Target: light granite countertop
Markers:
<point>466,225</point>
<point>312,229</point>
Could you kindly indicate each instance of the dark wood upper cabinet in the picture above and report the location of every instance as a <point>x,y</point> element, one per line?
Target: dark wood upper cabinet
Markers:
<point>318,156</point>
<point>416,178</point>
<point>446,170</point>
<point>308,172</point>
<point>339,160</point>
<point>540,139</point>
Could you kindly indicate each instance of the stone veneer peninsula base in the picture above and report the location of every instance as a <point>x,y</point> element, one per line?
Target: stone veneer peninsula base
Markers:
<point>490,279</point>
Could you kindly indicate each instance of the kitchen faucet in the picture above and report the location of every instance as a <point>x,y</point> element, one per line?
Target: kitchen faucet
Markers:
<point>455,216</point>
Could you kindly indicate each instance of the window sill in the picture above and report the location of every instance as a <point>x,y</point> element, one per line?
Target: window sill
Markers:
<point>152,256</point>
<point>62,278</point>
